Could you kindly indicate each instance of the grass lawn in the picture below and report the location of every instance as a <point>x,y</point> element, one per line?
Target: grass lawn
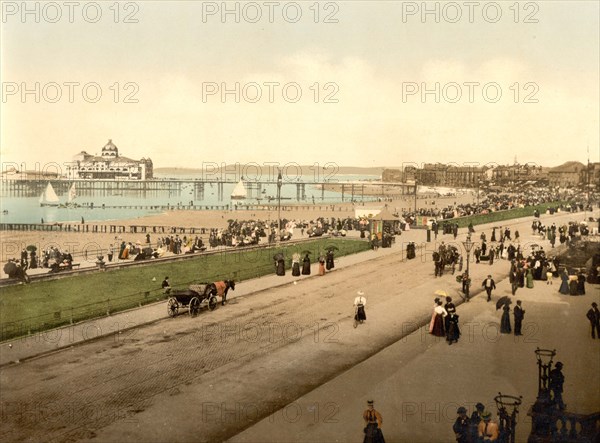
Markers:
<point>498,216</point>
<point>48,304</point>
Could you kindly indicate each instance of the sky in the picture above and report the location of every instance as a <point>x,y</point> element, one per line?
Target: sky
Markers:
<point>356,83</point>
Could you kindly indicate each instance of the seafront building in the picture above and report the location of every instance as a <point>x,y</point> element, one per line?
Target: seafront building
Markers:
<point>569,174</point>
<point>109,165</point>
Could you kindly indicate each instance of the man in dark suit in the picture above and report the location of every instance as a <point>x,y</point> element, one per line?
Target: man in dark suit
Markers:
<point>557,379</point>
<point>461,426</point>
<point>489,284</point>
<point>519,313</point>
<point>593,316</point>
<point>166,286</point>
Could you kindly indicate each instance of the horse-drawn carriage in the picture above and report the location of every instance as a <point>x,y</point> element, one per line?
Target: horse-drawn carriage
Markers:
<point>196,296</point>
<point>447,256</point>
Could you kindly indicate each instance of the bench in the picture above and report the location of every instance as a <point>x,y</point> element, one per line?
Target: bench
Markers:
<point>66,267</point>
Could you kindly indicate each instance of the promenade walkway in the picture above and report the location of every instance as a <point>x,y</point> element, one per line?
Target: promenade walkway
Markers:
<point>51,340</point>
<point>174,381</point>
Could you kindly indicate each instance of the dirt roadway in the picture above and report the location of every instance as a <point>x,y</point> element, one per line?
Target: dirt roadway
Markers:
<point>192,379</point>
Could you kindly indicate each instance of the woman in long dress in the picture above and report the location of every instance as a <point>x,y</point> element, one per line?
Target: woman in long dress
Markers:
<point>296,264</point>
<point>432,322</point>
<point>505,320</point>
<point>453,332</point>
<point>280,267</point>
<point>573,286</point>
<point>438,321</point>
<point>329,260</point>
<point>306,265</point>
<point>321,265</point>
<point>564,285</point>
<point>529,279</point>
<point>580,283</point>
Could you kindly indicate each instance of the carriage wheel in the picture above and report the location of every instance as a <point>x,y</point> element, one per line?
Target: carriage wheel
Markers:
<point>194,306</point>
<point>172,307</point>
<point>212,303</point>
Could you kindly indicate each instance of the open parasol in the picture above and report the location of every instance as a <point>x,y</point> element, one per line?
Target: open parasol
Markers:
<point>441,293</point>
<point>306,252</point>
<point>331,248</point>
<point>505,300</point>
<point>10,268</point>
<point>278,256</point>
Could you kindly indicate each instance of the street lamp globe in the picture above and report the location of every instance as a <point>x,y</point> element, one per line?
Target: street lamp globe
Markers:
<point>468,244</point>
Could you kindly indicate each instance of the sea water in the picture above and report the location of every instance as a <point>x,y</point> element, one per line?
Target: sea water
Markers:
<point>103,206</point>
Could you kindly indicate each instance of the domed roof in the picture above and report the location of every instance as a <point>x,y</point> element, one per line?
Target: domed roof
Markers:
<point>110,146</point>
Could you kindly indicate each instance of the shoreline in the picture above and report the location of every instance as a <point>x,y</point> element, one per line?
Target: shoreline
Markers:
<point>77,241</point>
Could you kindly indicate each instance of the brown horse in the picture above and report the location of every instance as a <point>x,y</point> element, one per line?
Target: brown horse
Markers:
<point>219,288</point>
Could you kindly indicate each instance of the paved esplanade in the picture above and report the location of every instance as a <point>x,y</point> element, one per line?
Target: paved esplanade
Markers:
<point>180,379</point>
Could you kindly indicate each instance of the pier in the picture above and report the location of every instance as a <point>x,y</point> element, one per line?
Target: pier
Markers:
<point>351,190</point>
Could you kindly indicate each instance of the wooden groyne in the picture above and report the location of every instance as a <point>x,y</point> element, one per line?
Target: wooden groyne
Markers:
<point>115,227</point>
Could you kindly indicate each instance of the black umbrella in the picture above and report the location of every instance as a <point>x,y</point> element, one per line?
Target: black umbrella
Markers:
<point>505,300</point>
<point>10,268</point>
<point>331,248</point>
<point>278,256</point>
<point>306,252</point>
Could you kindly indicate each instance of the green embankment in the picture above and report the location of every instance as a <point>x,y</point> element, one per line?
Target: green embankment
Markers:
<point>26,309</point>
<point>499,216</point>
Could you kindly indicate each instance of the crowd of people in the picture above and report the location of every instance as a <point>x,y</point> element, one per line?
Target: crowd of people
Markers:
<point>51,257</point>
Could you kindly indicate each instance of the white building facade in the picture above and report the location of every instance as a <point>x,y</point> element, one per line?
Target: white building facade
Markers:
<point>109,165</point>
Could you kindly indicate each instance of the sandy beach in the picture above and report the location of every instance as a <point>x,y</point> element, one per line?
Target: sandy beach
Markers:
<point>78,243</point>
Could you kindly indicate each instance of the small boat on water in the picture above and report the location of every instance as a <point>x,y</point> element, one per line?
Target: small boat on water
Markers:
<point>239,192</point>
<point>49,197</point>
<point>71,195</point>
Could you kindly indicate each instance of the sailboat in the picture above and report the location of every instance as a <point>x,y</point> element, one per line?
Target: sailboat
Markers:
<point>72,194</point>
<point>239,192</point>
<point>49,197</point>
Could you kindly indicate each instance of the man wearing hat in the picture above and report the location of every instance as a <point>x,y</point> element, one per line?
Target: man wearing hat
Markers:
<point>373,422</point>
<point>166,286</point>
<point>487,430</point>
<point>461,426</point>
<point>593,316</point>
<point>555,383</point>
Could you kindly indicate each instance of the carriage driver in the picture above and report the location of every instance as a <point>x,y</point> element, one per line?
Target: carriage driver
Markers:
<point>166,286</point>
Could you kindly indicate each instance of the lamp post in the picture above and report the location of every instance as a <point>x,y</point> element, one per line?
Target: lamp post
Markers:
<point>415,197</point>
<point>468,244</point>
<point>542,410</point>
<point>279,183</point>
<point>508,408</point>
